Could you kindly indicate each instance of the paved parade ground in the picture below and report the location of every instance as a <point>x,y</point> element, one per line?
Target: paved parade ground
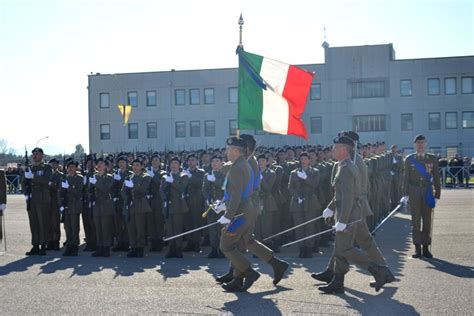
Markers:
<point>152,285</point>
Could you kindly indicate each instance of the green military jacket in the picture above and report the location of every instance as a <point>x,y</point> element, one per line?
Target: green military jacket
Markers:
<point>194,196</point>
<point>104,193</point>
<point>55,185</point>
<point>411,177</point>
<point>139,194</point>
<point>74,194</point>
<point>365,184</point>
<point>267,184</point>
<point>303,192</point>
<point>173,194</point>
<point>213,190</point>
<point>276,186</point>
<point>40,183</point>
<point>156,200</point>
<point>238,180</point>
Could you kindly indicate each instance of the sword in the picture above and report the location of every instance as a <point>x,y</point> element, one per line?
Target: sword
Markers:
<point>294,227</point>
<point>386,218</point>
<point>190,231</point>
<point>318,234</point>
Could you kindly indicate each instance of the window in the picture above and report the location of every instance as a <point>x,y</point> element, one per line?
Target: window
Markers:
<point>151,130</point>
<point>316,125</point>
<point>151,98</point>
<point>467,85</point>
<point>368,89</point>
<point>132,98</point>
<point>368,123</point>
<point>407,121</point>
<point>315,92</point>
<point>195,128</point>
<point>104,100</point>
<point>449,85</point>
<point>209,96</point>
<point>233,95</point>
<point>194,96</point>
<point>132,130</point>
<point>232,127</point>
<point>434,121</point>
<point>209,128</point>
<point>104,131</point>
<point>179,97</point>
<point>468,119</point>
<point>451,120</point>
<point>405,88</point>
<point>433,86</point>
<point>180,129</point>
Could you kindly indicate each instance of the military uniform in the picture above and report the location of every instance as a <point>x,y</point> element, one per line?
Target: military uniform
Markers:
<point>396,171</point>
<point>104,212</point>
<point>174,210</point>
<point>195,202</point>
<point>212,191</point>
<point>54,232</point>
<point>156,220</point>
<point>269,217</point>
<point>72,209</point>
<point>120,222</point>
<point>87,213</point>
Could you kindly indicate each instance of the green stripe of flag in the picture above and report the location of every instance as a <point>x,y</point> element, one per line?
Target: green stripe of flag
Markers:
<point>250,95</point>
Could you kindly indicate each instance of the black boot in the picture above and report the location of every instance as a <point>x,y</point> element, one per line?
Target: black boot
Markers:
<point>417,251</point>
<point>250,277</point>
<point>118,247</point>
<point>389,278</point>
<point>56,245</point>
<point>67,251</point>
<point>179,252</point>
<point>132,253</point>
<point>426,252</point>
<point>197,247</point>
<point>140,252</point>
<point>213,254</point>
<point>74,251</point>
<point>336,286</point>
<point>189,247</point>
<point>33,251</point>
<point>105,251</point>
<point>381,275</point>
<point>226,278</point>
<point>236,285</point>
<point>42,250</point>
<point>325,276</point>
<point>50,245</point>
<point>279,268</point>
<point>98,253</point>
<point>171,252</point>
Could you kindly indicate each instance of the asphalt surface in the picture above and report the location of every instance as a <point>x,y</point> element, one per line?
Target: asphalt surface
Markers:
<point>154,285</point>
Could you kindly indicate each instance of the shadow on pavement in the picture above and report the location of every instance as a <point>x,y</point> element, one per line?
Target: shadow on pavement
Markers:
<point>451,268</point>
<point>23,264</point>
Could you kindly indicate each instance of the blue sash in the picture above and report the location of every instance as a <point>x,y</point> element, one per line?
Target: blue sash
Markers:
<point>429,198</point>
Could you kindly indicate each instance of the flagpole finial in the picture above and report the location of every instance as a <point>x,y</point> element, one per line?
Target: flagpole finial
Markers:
<point>241,22</point>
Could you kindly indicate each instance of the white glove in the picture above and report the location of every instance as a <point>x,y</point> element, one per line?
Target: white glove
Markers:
<point>188,173</point>
<point>3,207</point>
<point>169,179</point>
<point>211,177</point>
<point>300,200</point>
<point>84,180</point>
<point>261,176</point>
<point>219,206</point>
<point>117,176</point>
<point>302,175</point>
<point>93,180</point>
<point>129,183</point>
<point>115,199</point>
<point>404,199</point>
<point>151,172</point>
<point>392,173</point>
<point>327,213</point>
<point>61,209</point>
<point>223,220</point>
<point>29,174</point>
<point>65,185</point>
<point>339,227</point>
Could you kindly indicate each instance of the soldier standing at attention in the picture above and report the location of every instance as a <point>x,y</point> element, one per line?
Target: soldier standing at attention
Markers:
<point>136,192</point>
<point>156,220</point>
<point>104,209</point>
<point>39,174</point>
<point>212,191</point>
<point>421,174</point>
<point>173,187</point>
<point>120,225</point>
<point>346,184</point>
<point>72,190</point>
<point>54,232</point>
<point>396,171</point>
<point>87,218</point>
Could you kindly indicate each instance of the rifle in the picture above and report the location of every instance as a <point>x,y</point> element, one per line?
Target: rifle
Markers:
<point>27,183</point>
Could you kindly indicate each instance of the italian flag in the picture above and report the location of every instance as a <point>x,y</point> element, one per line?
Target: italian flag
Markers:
<point>272,95</point>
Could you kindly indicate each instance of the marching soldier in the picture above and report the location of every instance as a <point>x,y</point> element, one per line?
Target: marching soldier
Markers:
<point>136,193</point>
<point>173,187</point>
<point>421,174</point>
<point>120,223</point>
<point>39,174</point>
<point>346,203</point>
<point>212,191</point>
<point>104,209</point>
<point>195,201</point>
<point>72,207</point>
<point>54,232</point>
<point>156,220</point>
<point>305,204</point>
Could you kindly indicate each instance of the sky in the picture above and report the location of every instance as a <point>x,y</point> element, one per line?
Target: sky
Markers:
<point>48,47</point>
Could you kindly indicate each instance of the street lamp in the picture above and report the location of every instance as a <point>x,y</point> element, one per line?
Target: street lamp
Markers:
<point>40,140</point>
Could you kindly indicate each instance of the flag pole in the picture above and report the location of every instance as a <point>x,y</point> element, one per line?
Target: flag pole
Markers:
<point>239,48</point>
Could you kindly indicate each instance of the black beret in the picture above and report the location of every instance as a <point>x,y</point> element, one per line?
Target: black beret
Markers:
<point>175,158</point>
<point>99,160</point>
<point>249,139</point>
<point>72,162</point>
<point>327,149</point>
<point>138,160</point>
<point>123,157</point>
<point>191,156</point>
<point>312,150</point>
<point>155,155</point>
<point>37,150</point>
<point>303,154</point>
<point>234,141</point>
<point>419,137</point>
<point>351,134</point>
<point>54,160</point>
<point>217,157</point>
<point>343,140</point>
<point>89,157</point>
<point>262,156</point>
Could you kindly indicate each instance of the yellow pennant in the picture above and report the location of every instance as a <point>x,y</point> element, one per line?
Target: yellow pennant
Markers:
<point>125,110</point>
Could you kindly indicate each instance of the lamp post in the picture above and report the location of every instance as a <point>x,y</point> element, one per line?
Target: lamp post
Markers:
<point>37,142</point>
